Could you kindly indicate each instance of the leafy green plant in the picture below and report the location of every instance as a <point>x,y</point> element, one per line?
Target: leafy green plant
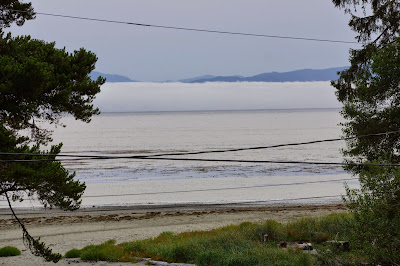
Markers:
<point>9,251</point>
<point>230,245</point>
<point>377,213</point>
<point>320,229</point>
<point>73,253</point>
<point>107,251</point>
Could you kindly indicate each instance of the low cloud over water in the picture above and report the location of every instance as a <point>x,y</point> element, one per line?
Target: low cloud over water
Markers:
<point>143,97</point>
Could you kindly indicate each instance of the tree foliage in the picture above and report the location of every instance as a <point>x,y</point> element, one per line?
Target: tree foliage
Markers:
<point>379,18</point>
<point>39,83</point>
<point>369,88</point>
<point>48,180</point>
<point>370,93</point>
<point>376,209</point>
<point>372,105</point>
<point>14,11</point>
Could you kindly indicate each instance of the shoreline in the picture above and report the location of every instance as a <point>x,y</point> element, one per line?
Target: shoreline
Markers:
<point>171,207</point>
<point>63,231</point>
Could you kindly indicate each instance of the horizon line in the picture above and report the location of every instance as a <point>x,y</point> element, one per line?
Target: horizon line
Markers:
<point>225,110</point>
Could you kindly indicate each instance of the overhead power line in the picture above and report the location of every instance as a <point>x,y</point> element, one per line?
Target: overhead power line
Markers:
<point>192,29</point>
<point>267,161</point>
<point>249,201</point>
<point>158,156</point>
<point>278,200</point>
<point>199,160</point>
<point>217,189</point>
<point>274,146</point>
<point>212,160</point>
<point>207,151</point>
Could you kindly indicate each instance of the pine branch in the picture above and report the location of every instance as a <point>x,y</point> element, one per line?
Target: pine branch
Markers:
<point>35,246</point>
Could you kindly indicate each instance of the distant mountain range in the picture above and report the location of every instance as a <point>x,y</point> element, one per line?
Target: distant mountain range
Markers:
<point>189,80</point>
<point>297,75</point>
<point>110,77</point>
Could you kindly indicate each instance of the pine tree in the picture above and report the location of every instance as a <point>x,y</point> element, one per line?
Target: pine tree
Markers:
<point>39,83</point>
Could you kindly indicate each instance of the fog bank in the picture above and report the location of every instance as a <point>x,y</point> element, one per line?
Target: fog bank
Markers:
<point>144,97</point>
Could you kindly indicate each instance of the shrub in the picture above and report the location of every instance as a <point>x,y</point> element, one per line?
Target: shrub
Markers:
<point>377,214</point>
<point>107,251</point>
<point>254,231</point>
<point>321,229</point>
<point>210,257</point>
<point>9,251</point>
<point>230,245</point>
<point>73,253</point>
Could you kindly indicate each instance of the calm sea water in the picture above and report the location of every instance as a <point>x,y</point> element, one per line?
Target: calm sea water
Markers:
<point>127,181</point>
<point>169,132</point>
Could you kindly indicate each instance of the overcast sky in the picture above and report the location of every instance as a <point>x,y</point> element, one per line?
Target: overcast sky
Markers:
<point>152,54</point>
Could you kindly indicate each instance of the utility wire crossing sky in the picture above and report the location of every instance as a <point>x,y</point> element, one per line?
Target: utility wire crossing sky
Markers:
<point>192,29</point>
<point>149,53</point>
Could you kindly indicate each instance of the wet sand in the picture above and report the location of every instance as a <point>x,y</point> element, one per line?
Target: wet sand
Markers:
<point>63,231</point>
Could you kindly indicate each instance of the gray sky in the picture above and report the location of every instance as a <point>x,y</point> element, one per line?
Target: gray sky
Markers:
<point>150,54</point>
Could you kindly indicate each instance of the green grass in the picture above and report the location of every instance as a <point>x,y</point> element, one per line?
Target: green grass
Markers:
<point>9,251</point>
<point>73,253</point>
<point>322,229</point>
<point>233,245</point>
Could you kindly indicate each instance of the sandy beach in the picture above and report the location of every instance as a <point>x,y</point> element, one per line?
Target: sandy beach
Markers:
<point>63,231</point>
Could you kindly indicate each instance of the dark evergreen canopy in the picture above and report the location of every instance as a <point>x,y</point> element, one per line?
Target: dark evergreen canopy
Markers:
<point>14,11</point>
<point>39,83</point>
<point>370,88</point>
<point>370,93</point>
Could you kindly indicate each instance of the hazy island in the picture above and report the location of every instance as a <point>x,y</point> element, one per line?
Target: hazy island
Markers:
<point>302,75</point>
